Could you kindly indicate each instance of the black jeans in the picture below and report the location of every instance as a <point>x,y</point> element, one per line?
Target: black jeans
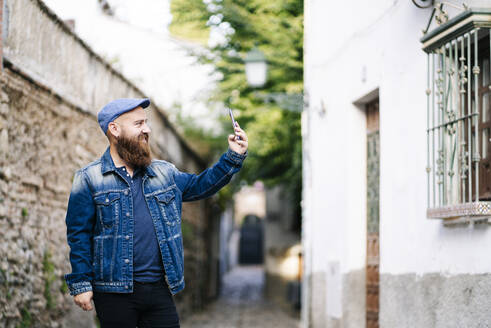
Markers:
<point>150,305</point>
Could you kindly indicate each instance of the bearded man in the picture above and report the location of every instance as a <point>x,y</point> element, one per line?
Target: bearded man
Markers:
<point>124,221</point>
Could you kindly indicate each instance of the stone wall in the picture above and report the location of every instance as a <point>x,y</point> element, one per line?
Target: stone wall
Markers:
<point>51,88</point>
<point>435,300</point>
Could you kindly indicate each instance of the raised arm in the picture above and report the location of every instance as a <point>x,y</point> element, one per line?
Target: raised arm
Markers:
<point>208,182</point>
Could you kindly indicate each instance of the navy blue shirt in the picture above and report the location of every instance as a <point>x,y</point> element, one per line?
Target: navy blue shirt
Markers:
<point>147,262</point>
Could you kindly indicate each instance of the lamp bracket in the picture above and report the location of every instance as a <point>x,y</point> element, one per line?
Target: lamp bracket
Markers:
<point>438,13</point>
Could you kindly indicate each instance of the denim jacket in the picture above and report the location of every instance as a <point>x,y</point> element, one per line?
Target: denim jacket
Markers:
<point>100,221</point>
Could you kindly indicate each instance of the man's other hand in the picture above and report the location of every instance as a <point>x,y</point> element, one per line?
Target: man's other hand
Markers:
<point>239,146</point>
<point>83,300</point>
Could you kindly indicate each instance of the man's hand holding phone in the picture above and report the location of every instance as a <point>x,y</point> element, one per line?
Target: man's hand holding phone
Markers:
<point>238,141</point>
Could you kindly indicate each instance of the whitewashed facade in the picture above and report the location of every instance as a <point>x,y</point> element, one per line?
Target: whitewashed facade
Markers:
<point>431,274</point>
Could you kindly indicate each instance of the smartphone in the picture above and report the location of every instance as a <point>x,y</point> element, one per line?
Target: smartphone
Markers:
<point>233,121</point>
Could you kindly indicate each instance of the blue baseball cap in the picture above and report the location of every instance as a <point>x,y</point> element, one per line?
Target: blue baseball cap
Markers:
<point>117,107</point>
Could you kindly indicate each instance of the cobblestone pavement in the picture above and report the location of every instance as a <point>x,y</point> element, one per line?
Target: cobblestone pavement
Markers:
<point>241,304</point>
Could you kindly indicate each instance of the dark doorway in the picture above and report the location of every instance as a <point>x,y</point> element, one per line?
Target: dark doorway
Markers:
<point>251,241</point>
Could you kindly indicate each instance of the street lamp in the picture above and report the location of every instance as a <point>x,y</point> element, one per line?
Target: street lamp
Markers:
<point>256,68</point>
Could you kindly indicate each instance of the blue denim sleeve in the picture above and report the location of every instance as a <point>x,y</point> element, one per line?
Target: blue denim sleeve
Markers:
<point>208,182</point>
<point>80,220</point>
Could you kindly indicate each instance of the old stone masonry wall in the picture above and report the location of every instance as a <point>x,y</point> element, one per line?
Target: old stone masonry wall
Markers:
<point>43,141</point>
<point>48,130</point>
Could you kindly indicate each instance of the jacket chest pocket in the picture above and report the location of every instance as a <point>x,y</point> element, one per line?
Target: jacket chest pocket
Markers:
<point>108,208</point>
<point>167,205</point>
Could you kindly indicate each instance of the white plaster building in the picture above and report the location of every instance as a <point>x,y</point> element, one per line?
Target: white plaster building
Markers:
<point>365,169</point>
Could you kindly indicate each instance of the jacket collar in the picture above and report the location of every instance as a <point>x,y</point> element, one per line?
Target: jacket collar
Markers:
<point>107,164</point>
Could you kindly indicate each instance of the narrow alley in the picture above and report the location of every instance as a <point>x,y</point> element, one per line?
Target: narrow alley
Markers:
<point>241,304</point>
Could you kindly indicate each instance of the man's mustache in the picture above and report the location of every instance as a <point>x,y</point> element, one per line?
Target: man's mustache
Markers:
<point>145,136</point>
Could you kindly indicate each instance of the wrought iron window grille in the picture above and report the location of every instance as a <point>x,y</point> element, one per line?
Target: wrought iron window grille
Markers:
<point>459,118</point>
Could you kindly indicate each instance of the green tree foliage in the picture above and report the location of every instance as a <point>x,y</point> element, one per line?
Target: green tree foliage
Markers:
<point>188,17</point>
<point>276,28</point>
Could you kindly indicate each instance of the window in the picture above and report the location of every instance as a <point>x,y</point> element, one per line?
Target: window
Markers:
<point>459,117</point>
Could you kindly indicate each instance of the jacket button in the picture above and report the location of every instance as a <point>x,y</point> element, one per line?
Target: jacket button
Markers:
<point>127,237</point>
<point>107,200</point>
<point>126,192</point>
<point>127,213</point>
<point>126,261</point>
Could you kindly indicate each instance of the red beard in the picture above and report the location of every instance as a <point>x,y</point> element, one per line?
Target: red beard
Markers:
<point>134,151</point>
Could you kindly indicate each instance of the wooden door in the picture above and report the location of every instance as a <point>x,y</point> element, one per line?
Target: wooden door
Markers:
<point>373,174</point>
<point>484,98</point>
